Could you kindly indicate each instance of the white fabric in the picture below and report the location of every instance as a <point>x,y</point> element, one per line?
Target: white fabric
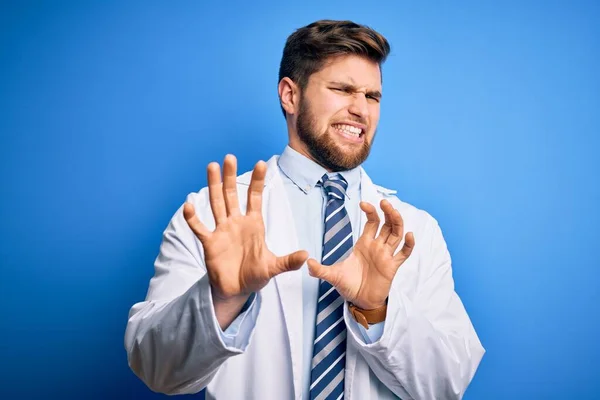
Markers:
<point>428,349</point>
<point>307,202</point>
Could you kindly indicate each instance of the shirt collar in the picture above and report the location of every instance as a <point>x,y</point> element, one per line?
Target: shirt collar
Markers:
<point>305,173</point>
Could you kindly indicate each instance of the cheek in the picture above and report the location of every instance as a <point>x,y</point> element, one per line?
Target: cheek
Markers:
<point>327,111</point>
<point>333,106</point>
<point>374,115</point>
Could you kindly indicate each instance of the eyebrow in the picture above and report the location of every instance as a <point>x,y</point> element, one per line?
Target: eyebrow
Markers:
<point>351,87</point>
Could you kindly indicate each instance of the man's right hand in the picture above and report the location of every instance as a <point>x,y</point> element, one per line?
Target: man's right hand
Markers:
<point>237,259</point>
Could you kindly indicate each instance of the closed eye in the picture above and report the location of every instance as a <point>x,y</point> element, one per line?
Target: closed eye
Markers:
<point>345,90</point>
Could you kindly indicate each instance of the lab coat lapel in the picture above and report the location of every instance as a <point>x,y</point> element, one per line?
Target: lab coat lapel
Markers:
<point>369,194</point>
<point>281,240</point>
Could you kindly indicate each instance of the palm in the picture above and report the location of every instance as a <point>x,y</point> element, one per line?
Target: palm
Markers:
<point>237,250</point>
<point>237,259</point>
<point>365,277</point>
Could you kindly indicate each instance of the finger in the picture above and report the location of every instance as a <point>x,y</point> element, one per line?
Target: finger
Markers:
<point>386,228</point>
<point>372,223</point>
<point>255,191</point>
<point>397,230</point>
<point>230,185</point>
<point>215,193</point>
<point>189,213</point>
<point>320,271</point>
<point>405,252</point>
<point>291,262</point>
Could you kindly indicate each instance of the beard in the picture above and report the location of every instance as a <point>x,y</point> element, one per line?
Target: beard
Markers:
<point>323,148</point>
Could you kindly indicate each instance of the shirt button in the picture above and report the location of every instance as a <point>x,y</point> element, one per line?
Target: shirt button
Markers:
<point>307,188</point>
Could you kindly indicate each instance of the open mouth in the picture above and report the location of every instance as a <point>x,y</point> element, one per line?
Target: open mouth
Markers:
<point>350,132</point>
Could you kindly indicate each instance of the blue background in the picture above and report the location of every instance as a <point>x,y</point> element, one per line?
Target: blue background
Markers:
<point>110,113</point>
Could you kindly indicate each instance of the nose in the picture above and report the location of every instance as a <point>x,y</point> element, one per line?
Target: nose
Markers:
<point>359,106</point>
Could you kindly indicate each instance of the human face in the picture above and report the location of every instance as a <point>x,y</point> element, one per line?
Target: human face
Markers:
<point>339,112</point>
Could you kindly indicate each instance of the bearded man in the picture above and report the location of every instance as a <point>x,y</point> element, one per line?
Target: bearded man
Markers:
<point>302,278</point>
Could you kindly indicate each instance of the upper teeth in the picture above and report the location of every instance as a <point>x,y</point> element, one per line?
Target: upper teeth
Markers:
<point>348,129</point>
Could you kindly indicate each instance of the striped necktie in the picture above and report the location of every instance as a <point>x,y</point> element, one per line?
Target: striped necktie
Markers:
<point>329,351</point>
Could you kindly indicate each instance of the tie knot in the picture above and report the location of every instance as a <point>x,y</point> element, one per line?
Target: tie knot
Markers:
<point>335,186</point>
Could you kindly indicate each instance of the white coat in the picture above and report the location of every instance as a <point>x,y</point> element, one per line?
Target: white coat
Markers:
<point>428,349</point>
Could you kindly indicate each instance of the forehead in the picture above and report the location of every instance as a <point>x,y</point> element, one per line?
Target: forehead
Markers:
<point>352,70</point>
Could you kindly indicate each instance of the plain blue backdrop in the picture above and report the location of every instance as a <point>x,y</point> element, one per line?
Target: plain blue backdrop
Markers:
<point>110,112</point>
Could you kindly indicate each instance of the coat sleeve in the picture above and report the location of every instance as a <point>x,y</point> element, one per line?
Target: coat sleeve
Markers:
<point>429,348</point>
<point>173,340</point>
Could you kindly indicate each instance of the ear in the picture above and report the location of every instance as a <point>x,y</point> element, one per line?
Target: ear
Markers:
<point>289,95</point>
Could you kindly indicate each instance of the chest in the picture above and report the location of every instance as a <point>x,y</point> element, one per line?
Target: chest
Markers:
<point>308,212</point>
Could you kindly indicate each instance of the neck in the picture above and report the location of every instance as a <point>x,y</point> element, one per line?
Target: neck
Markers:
<point>296,144</point>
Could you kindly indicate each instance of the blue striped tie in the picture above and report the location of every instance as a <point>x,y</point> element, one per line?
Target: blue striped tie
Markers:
<point>329,351</point>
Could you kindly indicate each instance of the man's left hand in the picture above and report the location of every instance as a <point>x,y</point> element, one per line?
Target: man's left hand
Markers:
<point>364,278</point>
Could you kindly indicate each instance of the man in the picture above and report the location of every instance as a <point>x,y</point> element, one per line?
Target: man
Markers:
<point>274,284</point>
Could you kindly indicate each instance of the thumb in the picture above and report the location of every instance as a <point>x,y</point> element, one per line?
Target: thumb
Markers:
<point>320,271</point>
<point>189,213</point>
<point>291,262</point>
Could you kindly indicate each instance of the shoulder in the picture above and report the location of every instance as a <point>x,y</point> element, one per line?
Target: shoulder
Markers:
<point>201,198</point>
<point>424,226</point>
<point>412,214</point>
<point>244,179</point>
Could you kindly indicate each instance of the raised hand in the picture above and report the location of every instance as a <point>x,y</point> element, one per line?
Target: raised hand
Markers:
<point>365,277</point>
<point>237,259</point>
